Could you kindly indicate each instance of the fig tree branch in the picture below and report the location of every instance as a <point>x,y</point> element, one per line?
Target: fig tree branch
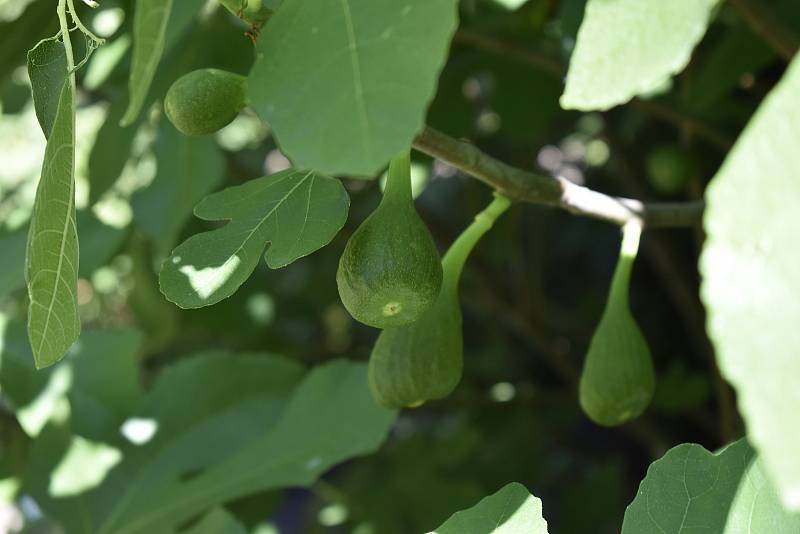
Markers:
<point>524,186</point>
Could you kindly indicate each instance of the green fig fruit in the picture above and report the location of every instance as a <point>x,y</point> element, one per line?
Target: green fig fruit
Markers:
<point>389,272</point>
<point>669,169</point>
<point>618,380</point>
<point>203,101</point>
<point>422,361</point>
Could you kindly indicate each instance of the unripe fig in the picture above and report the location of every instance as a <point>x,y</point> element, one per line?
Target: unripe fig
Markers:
<point>618,380</point>
<point>389,272</point>
<point>422,361</point>
<point>669,169</point>
<point>205,100</point>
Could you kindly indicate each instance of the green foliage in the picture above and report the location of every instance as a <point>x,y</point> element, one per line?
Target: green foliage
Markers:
<point>150,39</point>
<point>627,48</point>
<point>297,212</point>
<point>422,361</point>
<point>47,68</point>
<point>218,521</point>
<point>390,272</point>
<point>197,418</point>
<point>187,170</point>
<point>205,100</point>
<point>285,454</point>
<point>51,257</point>
<point>750,279</point>
<point>512,510</point>
<point>150,32</point>
<point>617,382</point>
<point>691,489</point>
<point>381,96</point>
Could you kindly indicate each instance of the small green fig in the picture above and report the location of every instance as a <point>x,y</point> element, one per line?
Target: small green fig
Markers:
<point>618,380</point>
<point>422,361</point>
<point>389,272</point>
<point>204,101</point>
<point>669,169</point>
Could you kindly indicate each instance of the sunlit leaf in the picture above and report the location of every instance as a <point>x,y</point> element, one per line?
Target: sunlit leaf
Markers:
<point>380,58</point>
<point>296,212</point>
<point>692,490</point>
<point>51,265</point>
<point>751,279</point>
<point>512,510</point>
<point>627,48</point>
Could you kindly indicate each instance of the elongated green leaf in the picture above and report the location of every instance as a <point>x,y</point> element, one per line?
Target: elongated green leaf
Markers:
<point>188,168</point>
<point>47,68</point>
<point>51,264</point>
<point>157,27</point>
<point>149,34</point>
<point>631,47</point>
<point>381,58</point>
<point>288,453</point>
<point>693,490</point>
<point>751,279</point>
<point>296,212</point>
<point>512,510</point>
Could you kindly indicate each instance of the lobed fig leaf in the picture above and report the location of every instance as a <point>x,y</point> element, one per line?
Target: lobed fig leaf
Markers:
<point>205,100</point>
<point>389,273</point>
<point>412,364</point>
<point>618,381</point>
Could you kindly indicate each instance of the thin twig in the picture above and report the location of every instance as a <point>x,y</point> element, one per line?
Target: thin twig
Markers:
<point>524,186</point>
<point>769,27</point>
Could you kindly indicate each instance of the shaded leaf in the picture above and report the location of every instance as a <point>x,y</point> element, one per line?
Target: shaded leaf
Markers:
<point>157,26</point>
<point>309,437</point>
<point>99,377</point>
<point>36,22</point>
<point>218,521</point>
<point>12,275</point>
<point>512,510</point>
<point>349,48</point>
<point>190,420</point>
<point>149,34</point>
<point>751,279</point>
<point>188,168</point>
<point>296,212</point>
<point>627,48</point>
<point>47,69</point>
<point>110,152</point>
<point>692,490</point>
<point>51,265</point>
